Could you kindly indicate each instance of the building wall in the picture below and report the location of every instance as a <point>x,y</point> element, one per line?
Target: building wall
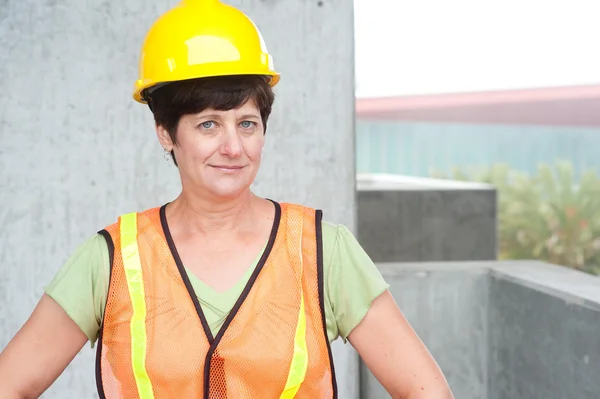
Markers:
<point>420,149</point>
<point>76,151</point>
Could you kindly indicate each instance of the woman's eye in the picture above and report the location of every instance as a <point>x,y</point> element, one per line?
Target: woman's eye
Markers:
<point>207,125</point>
<point>247,124</point>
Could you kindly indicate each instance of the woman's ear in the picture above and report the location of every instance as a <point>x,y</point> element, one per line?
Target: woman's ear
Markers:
<point>164,138</point>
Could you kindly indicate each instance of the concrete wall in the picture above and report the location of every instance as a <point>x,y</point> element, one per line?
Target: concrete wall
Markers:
<point>76,151</point>
<point>408,219</point>
<point>519,330</point>
<point>544,340</point>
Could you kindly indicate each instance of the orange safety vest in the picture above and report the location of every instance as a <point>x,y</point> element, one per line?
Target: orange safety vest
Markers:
<point>155,341</point>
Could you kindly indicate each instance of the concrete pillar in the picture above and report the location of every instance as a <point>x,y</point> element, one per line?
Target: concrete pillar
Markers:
<point>76,151</point>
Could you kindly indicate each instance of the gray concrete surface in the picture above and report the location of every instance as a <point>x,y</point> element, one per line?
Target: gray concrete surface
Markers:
<point>407,219</point>
<point>518,330</point>
<point>76,151</point>
<point>544,340</point>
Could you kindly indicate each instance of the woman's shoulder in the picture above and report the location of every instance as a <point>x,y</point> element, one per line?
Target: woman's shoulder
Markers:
<point>351,280</point>
<point>328,227</point>
<point>332,229</point>
<point>337,240</point>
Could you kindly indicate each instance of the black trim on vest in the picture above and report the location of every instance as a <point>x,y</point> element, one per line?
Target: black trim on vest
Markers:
<point>321,280</point>
<point>183,273</point>
<point>111,248</point>
<point>111,257</point>
<point>242,298</point>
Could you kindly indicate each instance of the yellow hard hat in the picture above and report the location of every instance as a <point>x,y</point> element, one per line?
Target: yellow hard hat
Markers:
<point>202,38</point>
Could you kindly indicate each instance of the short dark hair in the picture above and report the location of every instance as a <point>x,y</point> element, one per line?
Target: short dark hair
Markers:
<point>174,100</point>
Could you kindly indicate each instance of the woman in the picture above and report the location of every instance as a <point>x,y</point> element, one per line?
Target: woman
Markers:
<point>220,293</point>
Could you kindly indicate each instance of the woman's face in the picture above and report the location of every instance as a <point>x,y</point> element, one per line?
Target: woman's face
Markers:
<point>218,152</point>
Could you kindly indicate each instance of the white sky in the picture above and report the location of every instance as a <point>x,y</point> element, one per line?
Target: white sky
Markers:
<point>446,46</point>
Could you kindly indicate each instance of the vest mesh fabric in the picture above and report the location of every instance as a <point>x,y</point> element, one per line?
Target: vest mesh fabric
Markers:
<point>252,354</point>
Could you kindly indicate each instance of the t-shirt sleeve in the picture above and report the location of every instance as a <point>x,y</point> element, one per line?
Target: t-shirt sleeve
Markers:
<point>352,281</point>
<point>80,286</point>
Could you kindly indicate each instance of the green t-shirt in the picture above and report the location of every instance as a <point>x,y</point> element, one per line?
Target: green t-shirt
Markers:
<point>351,283</point>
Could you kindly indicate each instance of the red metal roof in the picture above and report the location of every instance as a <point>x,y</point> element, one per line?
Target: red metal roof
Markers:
<point>563,106</point>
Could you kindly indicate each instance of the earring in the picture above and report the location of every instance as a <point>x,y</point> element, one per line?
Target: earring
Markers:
<point>167,155</point>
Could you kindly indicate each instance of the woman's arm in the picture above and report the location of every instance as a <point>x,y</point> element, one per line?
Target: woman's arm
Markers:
<point>395,355</point>
<point>40,351</point>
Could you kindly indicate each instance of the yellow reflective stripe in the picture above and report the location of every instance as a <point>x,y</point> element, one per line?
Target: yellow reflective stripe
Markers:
<point>299,363</point>
<point>135,284</point>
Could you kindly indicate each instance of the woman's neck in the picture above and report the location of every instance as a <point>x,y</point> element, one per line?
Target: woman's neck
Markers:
<point>196,215</point>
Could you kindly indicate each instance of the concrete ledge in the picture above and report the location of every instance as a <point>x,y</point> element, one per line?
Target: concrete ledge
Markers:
<point>514,329</point>
<point>390,182</point>
<point>570,285</point>
<point>411,219</point>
